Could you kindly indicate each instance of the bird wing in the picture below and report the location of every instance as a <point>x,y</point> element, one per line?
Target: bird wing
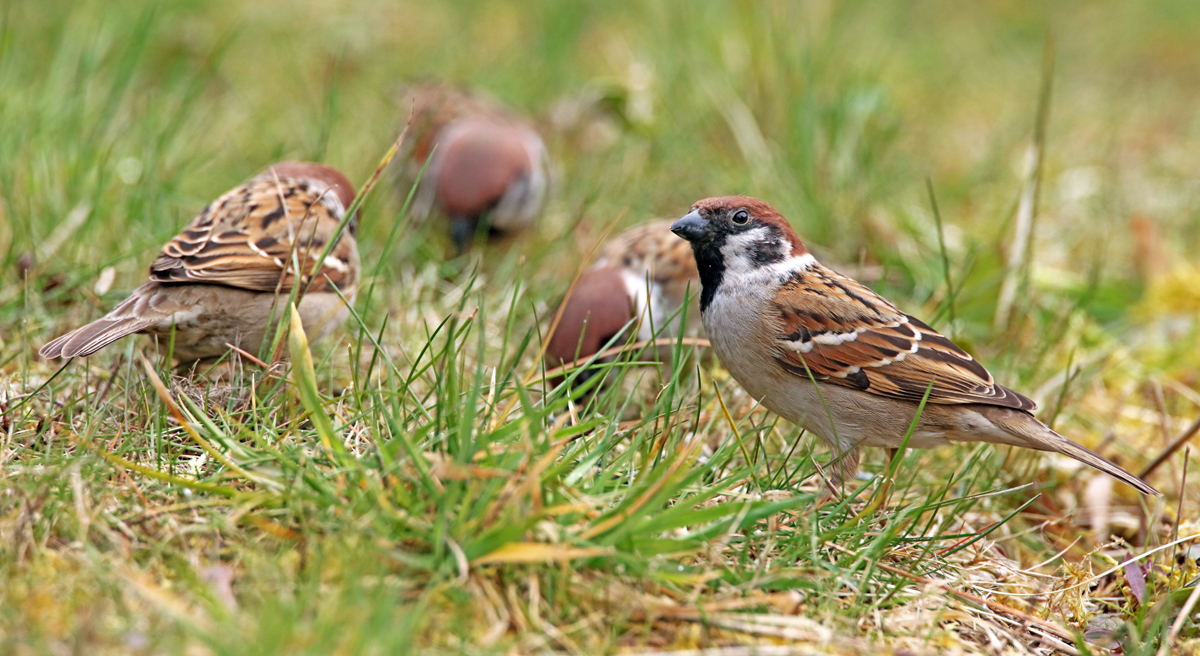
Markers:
<point>252,237</point>
<point>842,333</point>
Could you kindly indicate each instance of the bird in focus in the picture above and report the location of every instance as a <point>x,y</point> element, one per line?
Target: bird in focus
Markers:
<point>829,354</point>
<point>217,283</point>
<point>488,169</point>
<point>639,282</point>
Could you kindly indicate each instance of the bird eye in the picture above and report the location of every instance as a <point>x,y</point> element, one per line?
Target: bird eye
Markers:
<point>740,217</point>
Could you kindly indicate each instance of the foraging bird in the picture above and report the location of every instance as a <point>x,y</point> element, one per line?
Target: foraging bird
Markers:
<point>487,168</point>
<point>639,282</point>
<point>825,352</point>
<point>219,280</point>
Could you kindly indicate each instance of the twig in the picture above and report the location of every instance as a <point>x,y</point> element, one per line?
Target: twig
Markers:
<point>248,356</point>
<point>1027,207</point>
<point>1179,507</point>
<point>1171,449</point>
<point>937,216</point>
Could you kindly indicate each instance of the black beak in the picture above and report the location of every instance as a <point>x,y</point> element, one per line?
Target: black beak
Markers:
<point>691,227</point>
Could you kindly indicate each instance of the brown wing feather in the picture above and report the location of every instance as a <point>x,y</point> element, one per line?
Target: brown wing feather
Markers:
<point>246,239</point>
<point>652,249</point>
<point>846,334</point>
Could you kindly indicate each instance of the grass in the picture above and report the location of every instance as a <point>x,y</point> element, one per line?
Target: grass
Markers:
<point>420,488</point>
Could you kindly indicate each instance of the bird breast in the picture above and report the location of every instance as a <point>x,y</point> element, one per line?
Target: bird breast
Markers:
<point>740,331</point>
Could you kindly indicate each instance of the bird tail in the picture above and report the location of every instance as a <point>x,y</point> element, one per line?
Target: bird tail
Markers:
<point>1089,457</point>
<point>130,317</point>
<point>1036,435</point>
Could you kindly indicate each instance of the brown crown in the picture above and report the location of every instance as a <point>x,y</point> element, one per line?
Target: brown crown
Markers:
<point>759,210</point>
<point>326,175</point>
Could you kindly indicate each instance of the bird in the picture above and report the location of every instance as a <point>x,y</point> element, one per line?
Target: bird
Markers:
<point>827,353</point>
<point>487,168</point>
<point>639,283</point>
<point>219,282</point>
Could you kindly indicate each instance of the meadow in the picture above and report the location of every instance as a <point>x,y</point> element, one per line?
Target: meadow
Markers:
<point>1023,176</point>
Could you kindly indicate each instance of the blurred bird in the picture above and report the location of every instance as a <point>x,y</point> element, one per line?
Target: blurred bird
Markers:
<point>638,283</point>
<point>217,282</point>
<point>825,352</point>
<point>487,168</point>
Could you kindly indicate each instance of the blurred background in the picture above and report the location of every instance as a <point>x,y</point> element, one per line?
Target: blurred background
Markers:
<point>835,113</point>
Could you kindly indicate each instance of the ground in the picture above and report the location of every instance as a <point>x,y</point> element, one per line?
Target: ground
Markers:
<point>422,489</point>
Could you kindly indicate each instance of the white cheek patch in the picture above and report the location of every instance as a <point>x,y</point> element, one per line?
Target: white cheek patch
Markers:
<point>743,240</point>
<point>737,253</point>
<point>736,250</point>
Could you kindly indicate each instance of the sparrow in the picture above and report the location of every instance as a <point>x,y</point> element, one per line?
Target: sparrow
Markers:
<point>638,284</point>
<point>834,357</point>
<point>487,167</point>
<point>430,105</point>
<point>217,282</point>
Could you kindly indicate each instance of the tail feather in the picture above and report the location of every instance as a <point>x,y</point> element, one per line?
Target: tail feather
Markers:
<point>88,339</point>
<point>1089,457</point>
<point>134,314</point>
<point>1033,434</point>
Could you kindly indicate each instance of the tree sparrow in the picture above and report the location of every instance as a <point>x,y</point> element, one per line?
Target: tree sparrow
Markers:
<point>486,166</point>
<point>217,282</point>
<point>825,352</point>
<point>639,282</point>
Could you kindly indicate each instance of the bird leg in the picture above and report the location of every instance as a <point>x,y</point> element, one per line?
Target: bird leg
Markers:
<point>843,467</point>
<point>880,498</point>
<point>892,462</point>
